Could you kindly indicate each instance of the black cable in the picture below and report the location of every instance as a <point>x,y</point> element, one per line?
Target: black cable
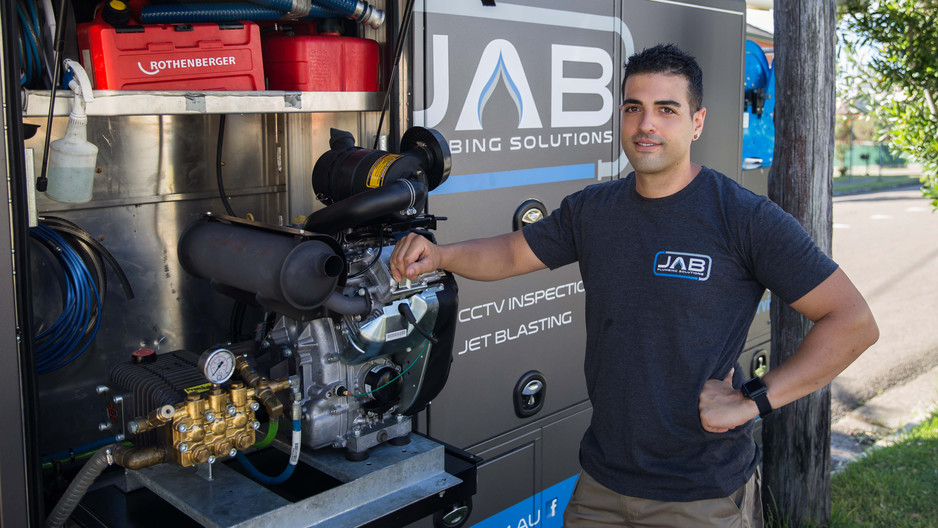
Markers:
<point>236,322</point>
<point>64,226</point>
<point>264,328</point>
<point>43,56</point>
<point>87,253</point>
<point>398,50</point>
<point>408,314</point>
<point>43,181</point>
<point>221,184</point>
<point>426,413</point>
<point>24,60</point>
<point>373,259</point>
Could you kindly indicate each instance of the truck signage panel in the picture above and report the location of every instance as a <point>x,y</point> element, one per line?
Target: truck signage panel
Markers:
<point>524,94</point>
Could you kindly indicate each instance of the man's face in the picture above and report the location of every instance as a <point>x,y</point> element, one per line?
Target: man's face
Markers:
<point>658,123</point>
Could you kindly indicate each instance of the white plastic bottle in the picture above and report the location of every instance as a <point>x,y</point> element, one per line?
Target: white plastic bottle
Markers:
<point>72,158</point>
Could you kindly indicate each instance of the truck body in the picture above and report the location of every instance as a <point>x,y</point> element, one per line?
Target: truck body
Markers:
<point>525,94</point>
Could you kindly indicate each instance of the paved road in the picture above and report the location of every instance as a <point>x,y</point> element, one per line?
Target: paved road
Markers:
<point>887,243</point>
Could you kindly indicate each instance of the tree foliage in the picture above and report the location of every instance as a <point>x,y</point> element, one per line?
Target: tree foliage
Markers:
<point>894,45</point>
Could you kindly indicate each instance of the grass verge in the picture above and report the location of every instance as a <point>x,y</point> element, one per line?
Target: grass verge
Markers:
<point>844,185</point>
<point>894,486</point>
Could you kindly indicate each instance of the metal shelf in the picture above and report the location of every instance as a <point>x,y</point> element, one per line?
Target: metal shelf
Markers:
<point>127,103</point>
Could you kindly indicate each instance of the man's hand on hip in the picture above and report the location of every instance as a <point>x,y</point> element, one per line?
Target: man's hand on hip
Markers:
<point>722,407</point>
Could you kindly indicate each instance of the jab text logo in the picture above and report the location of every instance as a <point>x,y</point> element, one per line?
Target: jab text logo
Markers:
<point>555,66</point>
<point>501,63</point>
<point>682,265</point>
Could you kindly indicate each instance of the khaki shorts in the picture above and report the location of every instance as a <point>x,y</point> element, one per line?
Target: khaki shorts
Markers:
<point>593,505</point>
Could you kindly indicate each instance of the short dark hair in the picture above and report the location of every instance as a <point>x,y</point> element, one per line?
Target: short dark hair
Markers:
<point>671,60</point>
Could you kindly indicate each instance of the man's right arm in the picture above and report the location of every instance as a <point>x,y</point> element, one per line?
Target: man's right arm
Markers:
<point>484,259</point>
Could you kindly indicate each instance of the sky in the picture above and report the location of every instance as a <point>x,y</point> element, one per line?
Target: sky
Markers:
<point>760,19</point>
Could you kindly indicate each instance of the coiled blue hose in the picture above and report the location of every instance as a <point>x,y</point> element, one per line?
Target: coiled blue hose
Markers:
<point>76,327</point>
<point>264,479</point>
<point>30,53</point>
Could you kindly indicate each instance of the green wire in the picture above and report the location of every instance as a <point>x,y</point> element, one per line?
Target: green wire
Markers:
<point>414,362</point>
<point>78,457</point>
<point>271,434</point>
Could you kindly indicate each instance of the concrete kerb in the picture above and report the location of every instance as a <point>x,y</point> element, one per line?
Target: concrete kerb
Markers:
<point>884,419</point>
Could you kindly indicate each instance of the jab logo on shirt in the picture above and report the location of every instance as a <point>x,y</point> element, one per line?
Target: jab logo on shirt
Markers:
<point>682,265</point>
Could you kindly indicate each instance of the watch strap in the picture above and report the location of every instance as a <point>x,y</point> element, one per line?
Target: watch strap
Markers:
<point>756,391</point>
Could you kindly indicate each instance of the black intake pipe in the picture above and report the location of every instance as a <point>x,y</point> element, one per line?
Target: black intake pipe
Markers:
<point>362,208</point>
<point>347,305</point>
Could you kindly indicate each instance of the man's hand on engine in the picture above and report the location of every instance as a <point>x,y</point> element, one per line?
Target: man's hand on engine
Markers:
<point>484,259</point>
<point>413,256</point>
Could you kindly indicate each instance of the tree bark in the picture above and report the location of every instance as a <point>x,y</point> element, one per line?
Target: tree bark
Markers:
<point>796,438</point>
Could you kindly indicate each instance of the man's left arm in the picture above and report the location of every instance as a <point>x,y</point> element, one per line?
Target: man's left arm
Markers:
<point>843,328</point>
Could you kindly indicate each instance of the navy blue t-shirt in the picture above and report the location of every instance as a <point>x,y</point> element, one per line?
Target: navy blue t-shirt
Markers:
<point>672,285</point>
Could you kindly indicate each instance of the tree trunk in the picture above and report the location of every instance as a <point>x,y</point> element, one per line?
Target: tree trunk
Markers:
<point>796,438</point>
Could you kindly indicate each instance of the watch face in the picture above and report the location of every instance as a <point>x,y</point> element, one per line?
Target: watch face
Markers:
<point>753,386</point>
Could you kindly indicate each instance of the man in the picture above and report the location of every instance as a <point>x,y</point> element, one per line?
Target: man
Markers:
<point>674,259</point>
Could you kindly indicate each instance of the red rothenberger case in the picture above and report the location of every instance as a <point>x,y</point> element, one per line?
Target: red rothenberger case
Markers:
<point>201,56</point>
<point>321,63</point>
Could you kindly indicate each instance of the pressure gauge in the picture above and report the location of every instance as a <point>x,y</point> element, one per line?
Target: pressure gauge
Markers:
<point>217,365</point>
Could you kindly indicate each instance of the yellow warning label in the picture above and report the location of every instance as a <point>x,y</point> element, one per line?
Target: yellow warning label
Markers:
<point>205,387</point>
<point>379,170</point>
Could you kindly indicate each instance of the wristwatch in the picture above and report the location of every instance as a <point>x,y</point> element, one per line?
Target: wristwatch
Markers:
<point>756,391</point>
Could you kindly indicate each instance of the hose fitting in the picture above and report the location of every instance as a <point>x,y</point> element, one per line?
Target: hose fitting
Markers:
<point>138,458</point>
<point>157,418</point>
<point>370,15</point>
<point>264,390</point>
<point>357,10</point>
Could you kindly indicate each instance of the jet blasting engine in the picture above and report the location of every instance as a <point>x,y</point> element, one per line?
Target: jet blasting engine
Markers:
<point>364,351</point>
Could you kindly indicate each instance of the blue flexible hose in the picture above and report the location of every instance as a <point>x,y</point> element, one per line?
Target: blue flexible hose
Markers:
<point>279,5</point>
<point>32,36</point>
<point>62,342</point>
<point>224,12</point>
<point>262,478</point>
<point>346,7</point>
<point>195,13</point>
<point>31,64</point>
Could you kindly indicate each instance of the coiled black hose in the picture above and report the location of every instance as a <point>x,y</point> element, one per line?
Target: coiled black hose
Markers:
<point>76,327</point>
